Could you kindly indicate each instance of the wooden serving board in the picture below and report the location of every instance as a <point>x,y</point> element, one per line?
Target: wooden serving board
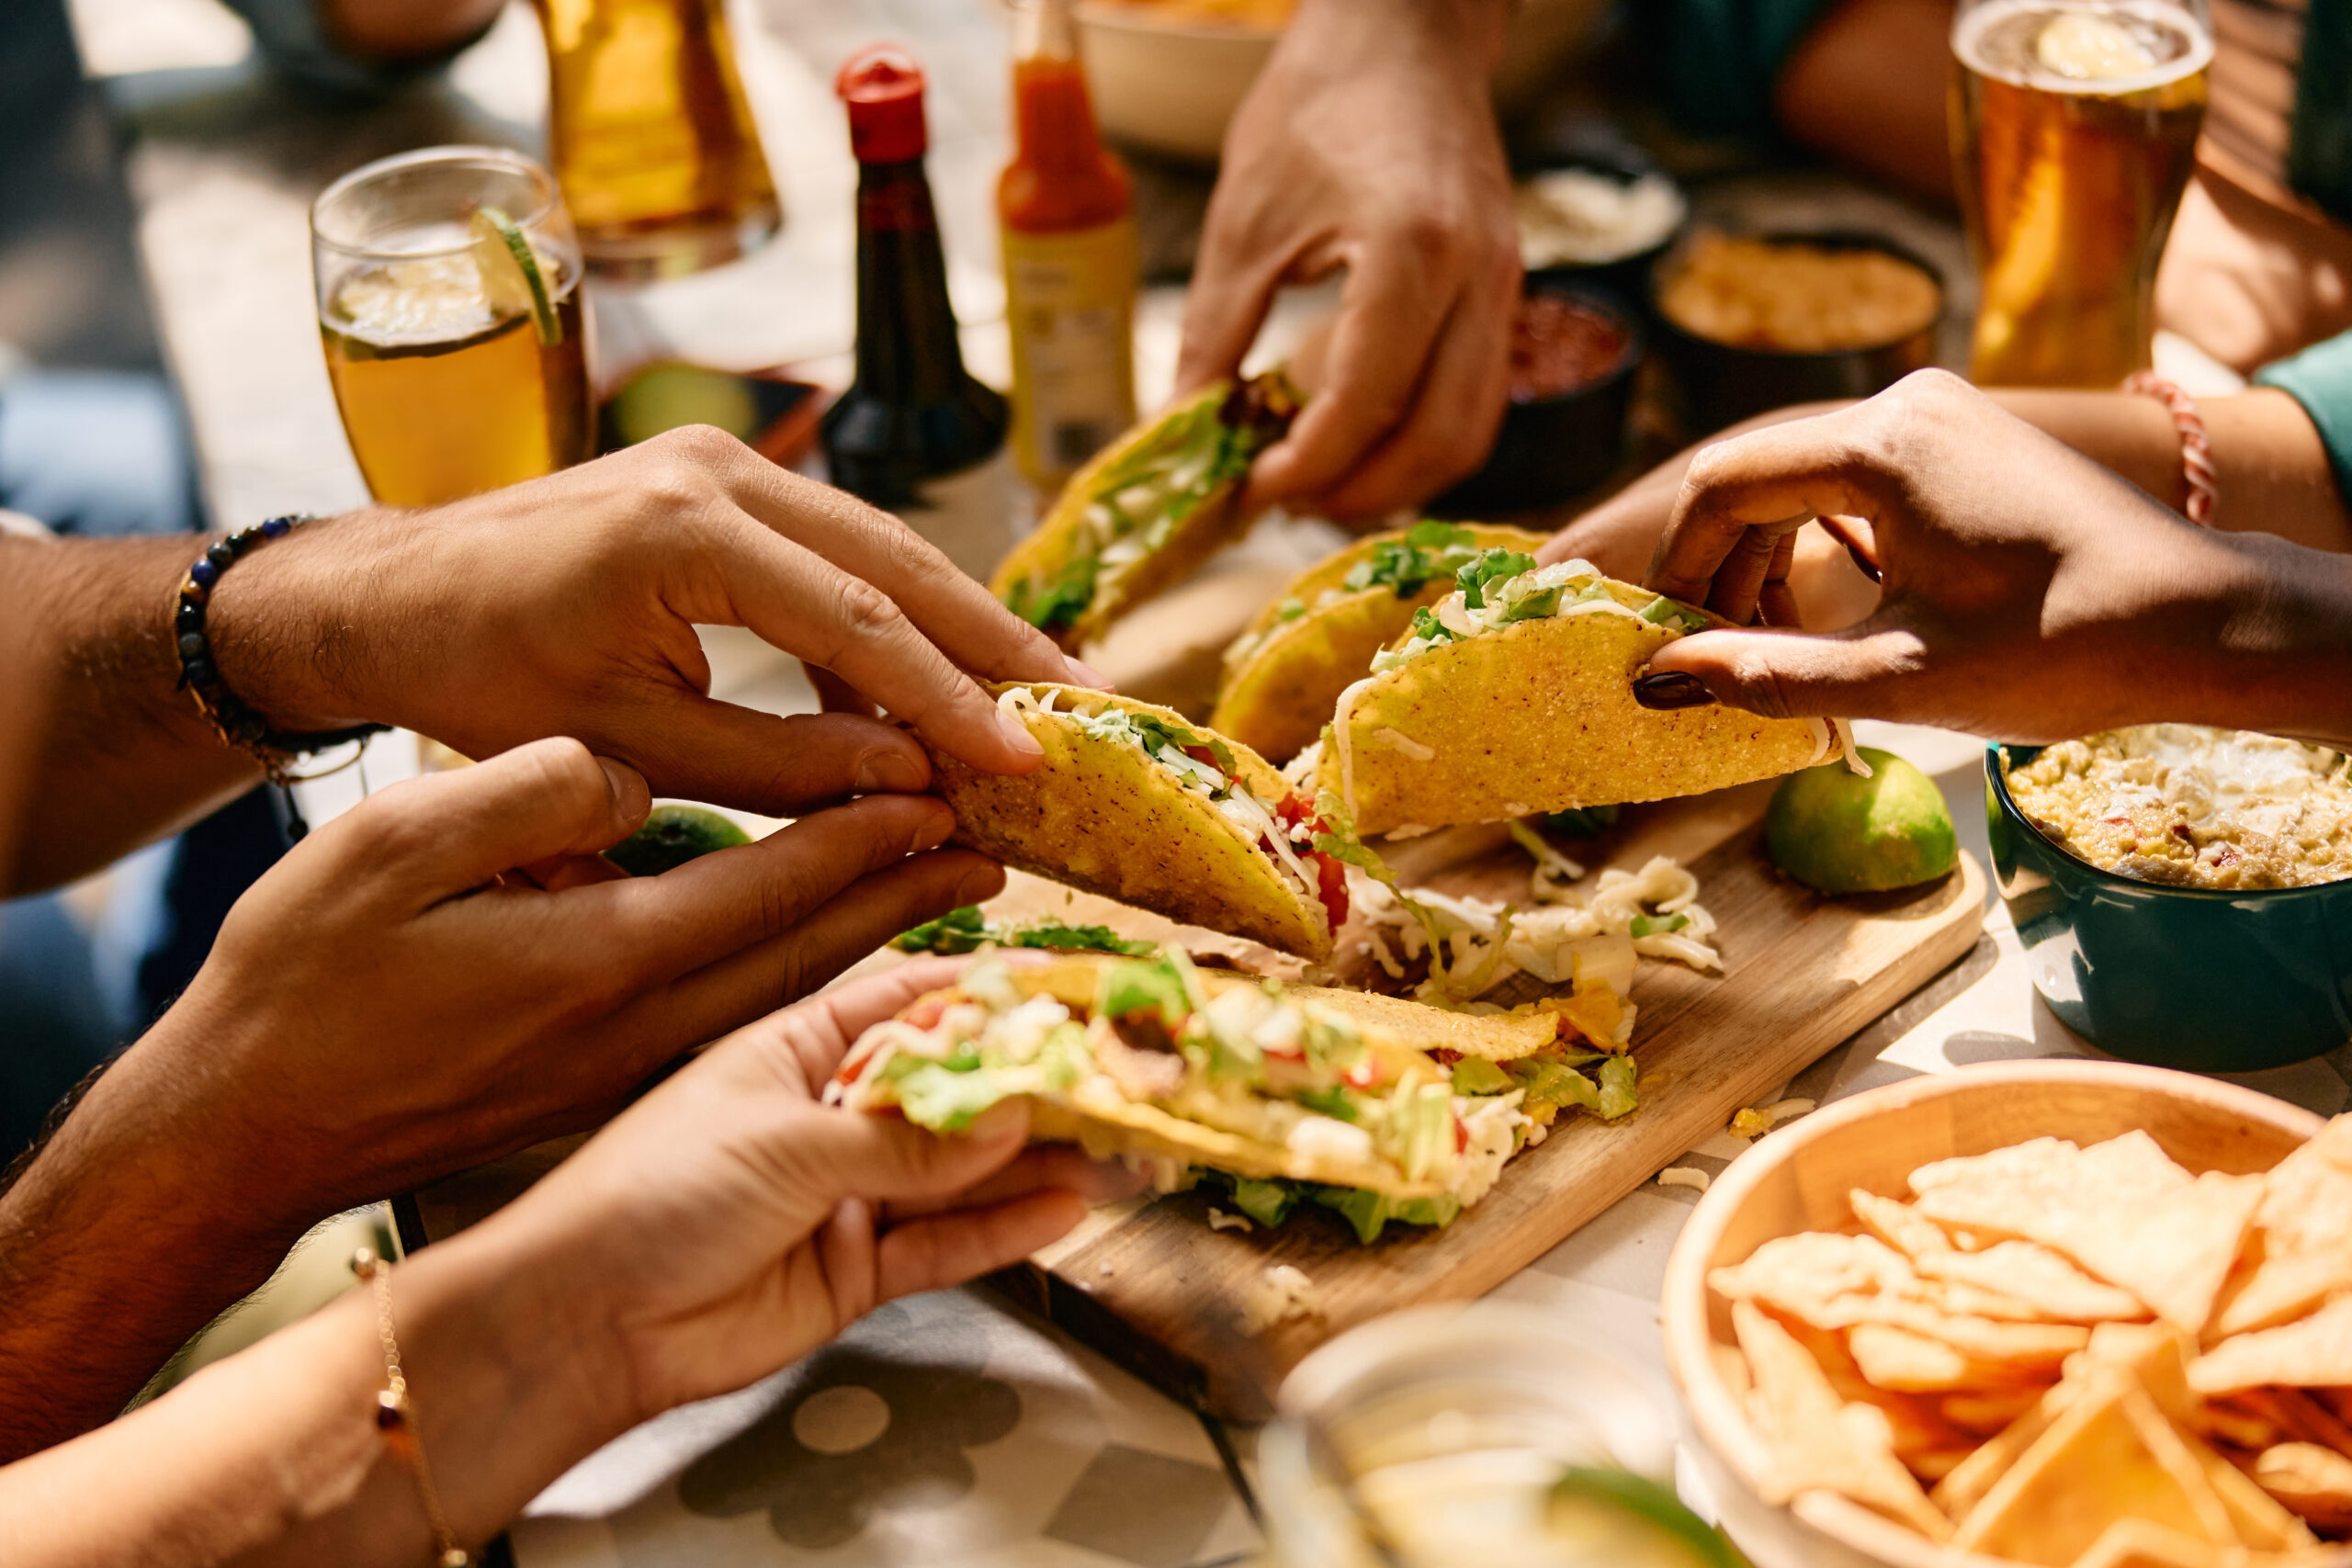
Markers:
<point>1153,1286</point>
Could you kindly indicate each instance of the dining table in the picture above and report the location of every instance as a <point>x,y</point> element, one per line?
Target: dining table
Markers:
<point>952,1427</point>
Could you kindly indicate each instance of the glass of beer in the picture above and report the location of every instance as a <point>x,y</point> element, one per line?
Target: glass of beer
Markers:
<point>448,299</point>
<point>651,136</point>
<point>2074,129</point>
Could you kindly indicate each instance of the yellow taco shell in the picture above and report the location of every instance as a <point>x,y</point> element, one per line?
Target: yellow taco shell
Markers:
<point>1103,818</point>
<point>1282,679</point>
<point>1539,715</point>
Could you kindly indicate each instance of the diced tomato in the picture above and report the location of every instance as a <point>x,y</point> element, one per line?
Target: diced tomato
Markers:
<point>855,1068</point>
<point>1204,756</point>
<point>1461,1135</point>
<point>925,1012</point>
<point>1444,1056</point>
<point>1294,811</point>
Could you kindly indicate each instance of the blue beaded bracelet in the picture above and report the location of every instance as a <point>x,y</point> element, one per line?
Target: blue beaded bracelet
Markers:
<point>236,723</point>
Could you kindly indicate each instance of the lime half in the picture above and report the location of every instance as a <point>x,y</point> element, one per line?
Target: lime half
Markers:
<point>671,836</point>
<point>510,273</point>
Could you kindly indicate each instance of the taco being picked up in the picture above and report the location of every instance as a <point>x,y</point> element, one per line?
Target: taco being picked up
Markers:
<point>1146,511</point>
<point>1514,694</point>
<point>1376,1108</point>
<point>1137,804</point>
<point>1283,675</point>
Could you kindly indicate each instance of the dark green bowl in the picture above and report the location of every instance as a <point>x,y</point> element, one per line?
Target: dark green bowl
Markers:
<point>2215,982</point>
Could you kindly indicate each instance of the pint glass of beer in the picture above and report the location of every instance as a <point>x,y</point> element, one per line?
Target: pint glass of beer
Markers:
<point>651,136</point>
<point>2074,127</point>
<point>448,299</point>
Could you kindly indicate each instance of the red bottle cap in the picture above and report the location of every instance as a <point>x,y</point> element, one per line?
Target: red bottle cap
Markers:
<point>883,86</point>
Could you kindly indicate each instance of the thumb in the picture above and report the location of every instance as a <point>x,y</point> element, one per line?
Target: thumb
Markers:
<point>885,1158</point>
<point>442,834</point>
<point>1866,671</point>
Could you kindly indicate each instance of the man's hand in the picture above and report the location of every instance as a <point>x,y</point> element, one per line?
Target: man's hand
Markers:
<point>1369,142</point>
<point>2027,593</point>
<point>567,606</point>
<point>433,979</point>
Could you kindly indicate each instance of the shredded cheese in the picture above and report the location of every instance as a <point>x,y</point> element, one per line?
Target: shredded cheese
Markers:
<point>1689,1176</point>
<point>1282,1292</point>
<point>1221,1221</point>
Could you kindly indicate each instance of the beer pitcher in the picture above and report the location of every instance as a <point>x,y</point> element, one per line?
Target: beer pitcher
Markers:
<point>650,138</point>
<point>2073,130</point>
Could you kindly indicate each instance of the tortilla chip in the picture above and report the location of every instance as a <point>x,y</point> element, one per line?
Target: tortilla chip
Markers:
<point>2297,1415</point>
<point>1283,678</point>
<point>2028,1272</point>
<point>1985,1411</point>
<point>2110,1454</point>
<point>1898,1225</point>
<point>2303,1229</point>
<point>2122,1209</point>
<point>2312,1482</point>
<point>1816,1442</point>
<point>1100,817</point>
<point>1912,1425</point>
<point>1836,1281</point>
<point>1540,717</point>
<point>2144,1543</point>
<point>2227,1421</point>
<point>2315,1349</point>
<point>1907,1362</point>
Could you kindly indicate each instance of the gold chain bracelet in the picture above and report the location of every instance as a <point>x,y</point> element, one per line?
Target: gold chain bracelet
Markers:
<point>395,1417</point>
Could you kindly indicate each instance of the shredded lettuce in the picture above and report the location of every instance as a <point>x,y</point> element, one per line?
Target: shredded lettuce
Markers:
<point>966,930</point>
<point>1155,985</point>
<point>1476,1075</point>
<point>1057,606</point>
<point>1268,1202</point>
<point>1616,1074</point>
<point>1429,551</point>
<point>934,1095</point>
<point>1658,925</point>
<point>1487,567</point>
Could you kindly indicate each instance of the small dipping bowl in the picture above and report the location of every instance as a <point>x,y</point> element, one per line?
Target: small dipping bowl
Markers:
<point>1552,446</point>
<point>2213,980</point>
<point>1724,383</point>
<point>1624,272</point>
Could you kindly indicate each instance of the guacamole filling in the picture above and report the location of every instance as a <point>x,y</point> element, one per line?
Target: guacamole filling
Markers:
<point>1286,832</point>
<point>1133,507</point>
<point>1251,1060</point>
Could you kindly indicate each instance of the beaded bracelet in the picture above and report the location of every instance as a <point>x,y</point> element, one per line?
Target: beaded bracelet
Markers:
<point>397,1421</point>
<point>232,719</point>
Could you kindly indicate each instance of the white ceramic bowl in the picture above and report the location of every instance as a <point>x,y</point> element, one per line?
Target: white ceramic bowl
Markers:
<point>1170,85</point>
<point>1797,1179</point>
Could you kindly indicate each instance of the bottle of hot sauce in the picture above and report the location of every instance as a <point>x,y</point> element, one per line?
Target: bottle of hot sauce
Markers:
<point>916,434</point>
<point>1066,206</point>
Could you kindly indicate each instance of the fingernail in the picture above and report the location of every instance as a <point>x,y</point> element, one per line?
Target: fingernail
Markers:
<point>1082,674</point>
<point>631,799</point>
<point>1672,689</point>
<point>1005,1119</point>
<point>1868,567</point>
<point>890,771</point>
<point>1017,736</point>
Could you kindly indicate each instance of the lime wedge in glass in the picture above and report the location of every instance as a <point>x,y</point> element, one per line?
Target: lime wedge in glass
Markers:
<point>510,273</point>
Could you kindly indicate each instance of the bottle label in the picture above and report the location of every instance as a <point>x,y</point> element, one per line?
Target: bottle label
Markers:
<point>1070,301</point>
<point>972,514</point>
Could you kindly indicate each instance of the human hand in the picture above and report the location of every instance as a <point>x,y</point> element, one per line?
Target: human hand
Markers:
<point>2027,593</point>
<point>396,1000</point>
<point>729,1223</point>
<point>568,607</point>
<point>1369,142</point>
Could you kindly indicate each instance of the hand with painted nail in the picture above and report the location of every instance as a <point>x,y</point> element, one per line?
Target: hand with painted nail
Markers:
<point>568,607</point>
<point>445,974</point>
<point>1369,142</point>
<point>2027,593</point>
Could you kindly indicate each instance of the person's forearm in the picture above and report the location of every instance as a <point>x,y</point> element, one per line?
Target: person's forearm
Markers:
<point>2271,472</point>
<point>1467,33</point>
<point>2283,660</point>
<point>125,758</point>
<point>135,1226</point>
<point>274,1455</point>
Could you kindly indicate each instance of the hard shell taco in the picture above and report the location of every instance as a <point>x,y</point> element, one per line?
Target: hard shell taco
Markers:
<point>1147,510</point>
<point>1514,695</point>
<point>1284,1094</point>
<point>1283,674</point>
<point>1136,802</point>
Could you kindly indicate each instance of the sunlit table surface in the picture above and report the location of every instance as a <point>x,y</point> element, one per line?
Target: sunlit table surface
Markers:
<point>949,1428</point>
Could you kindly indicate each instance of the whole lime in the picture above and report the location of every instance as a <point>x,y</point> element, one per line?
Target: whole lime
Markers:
<point>671,836</point>
<point>1835,830</point>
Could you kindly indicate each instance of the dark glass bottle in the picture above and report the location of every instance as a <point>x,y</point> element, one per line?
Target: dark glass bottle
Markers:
<point>915,433</point>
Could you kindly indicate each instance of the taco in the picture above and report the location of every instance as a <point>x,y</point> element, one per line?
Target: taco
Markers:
<point>1283,674</point>
<point>1514,695</point>
<point>1147,510</point>
<point>1377,1108</point>
<point>1138,803</point>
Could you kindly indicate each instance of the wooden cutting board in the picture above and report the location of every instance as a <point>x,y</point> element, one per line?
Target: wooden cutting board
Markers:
<point>1151,1285</point>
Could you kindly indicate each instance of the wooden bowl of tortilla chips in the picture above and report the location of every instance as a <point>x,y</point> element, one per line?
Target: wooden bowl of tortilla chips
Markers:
<point>2071,1314</point>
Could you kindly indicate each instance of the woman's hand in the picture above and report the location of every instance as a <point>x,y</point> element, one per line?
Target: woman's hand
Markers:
<point>1369,142</point>
<point>729,1223</point>
<point>2029,594</point>
<point>568,607</point>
